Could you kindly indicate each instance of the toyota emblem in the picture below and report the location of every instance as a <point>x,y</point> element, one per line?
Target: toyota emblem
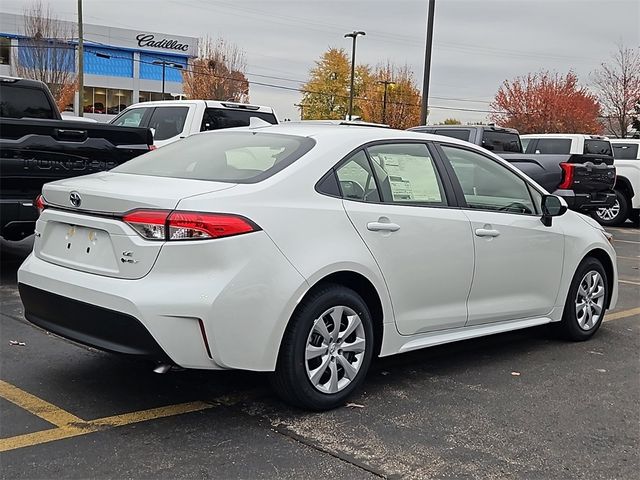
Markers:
<point>75,199</point>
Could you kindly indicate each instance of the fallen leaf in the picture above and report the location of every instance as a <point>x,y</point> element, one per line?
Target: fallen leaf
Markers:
<point>354,405</point>
<point>515,374</point>
<point>17,343</point>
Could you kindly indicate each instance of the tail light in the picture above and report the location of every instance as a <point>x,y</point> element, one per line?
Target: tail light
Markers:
<point>178,225</point>
<point>567,175</point>
<point>40,204</point>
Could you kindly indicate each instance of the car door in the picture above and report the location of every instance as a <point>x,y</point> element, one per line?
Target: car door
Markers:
<point>518,260</point>
<point>421,243</point>
<point>168,124</point>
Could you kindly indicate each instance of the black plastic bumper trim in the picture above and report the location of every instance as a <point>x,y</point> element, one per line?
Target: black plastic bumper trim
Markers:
<point>88,324</point>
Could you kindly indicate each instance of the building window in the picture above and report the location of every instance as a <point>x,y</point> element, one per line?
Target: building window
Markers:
<point>156,96</point>
<point>106,100</point>
<point>5,51</point>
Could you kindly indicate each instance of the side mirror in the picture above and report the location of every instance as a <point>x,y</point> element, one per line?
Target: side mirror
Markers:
<point>552,206</point>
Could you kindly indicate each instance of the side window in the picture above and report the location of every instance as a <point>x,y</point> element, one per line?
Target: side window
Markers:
<point>356,179</point>
<point>168,122</point>
<point>407,174</point>
<point>130,118</point>
<point>487,185</point>
<point>525,143</point>
<point>454,133</point>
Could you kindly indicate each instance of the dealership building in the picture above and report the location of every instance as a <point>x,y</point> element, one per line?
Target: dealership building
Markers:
<point>121,66</point>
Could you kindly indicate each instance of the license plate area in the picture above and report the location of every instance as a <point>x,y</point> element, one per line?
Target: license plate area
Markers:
<point>78,246</point>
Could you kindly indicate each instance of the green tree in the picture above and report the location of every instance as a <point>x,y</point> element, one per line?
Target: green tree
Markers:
<point>326,94</point>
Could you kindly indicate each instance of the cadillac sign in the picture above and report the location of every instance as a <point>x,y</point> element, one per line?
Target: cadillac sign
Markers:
<point>149,40</point>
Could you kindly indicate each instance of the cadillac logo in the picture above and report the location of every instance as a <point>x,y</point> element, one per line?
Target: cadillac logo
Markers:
<point>75,199</point>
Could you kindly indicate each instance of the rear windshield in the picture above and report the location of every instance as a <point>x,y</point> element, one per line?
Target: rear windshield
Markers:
<point>625,151</point>
<point>233,157</point>
<point>216,118</point>
<point>23,102</point>
<point>460,134</point>
<point>599,147</point>
<point>553,146</point>
<point>497,141</point>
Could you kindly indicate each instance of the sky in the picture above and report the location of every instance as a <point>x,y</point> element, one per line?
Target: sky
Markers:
<point>477,43</point>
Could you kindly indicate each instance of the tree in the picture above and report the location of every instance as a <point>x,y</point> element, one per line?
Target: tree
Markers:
<point>326,94</point>
<point>451,121</point>
<point>403,97</point>
<point>47,54</point>
<point>218,73</point>
<point>545,103</point>
<point>618,84</point>
<point>635,118</point>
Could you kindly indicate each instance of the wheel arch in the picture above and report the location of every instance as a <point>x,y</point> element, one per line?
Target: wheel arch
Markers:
<point>603,257</point>
<point>623,185</point>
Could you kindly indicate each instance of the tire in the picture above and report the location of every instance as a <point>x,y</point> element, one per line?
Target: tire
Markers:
<point>577,323</point>
<point>615,215</point>
<point>322,382</point>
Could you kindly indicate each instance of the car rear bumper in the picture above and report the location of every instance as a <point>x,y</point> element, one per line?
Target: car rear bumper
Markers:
<point>587,201</point>
<point>88,324</point>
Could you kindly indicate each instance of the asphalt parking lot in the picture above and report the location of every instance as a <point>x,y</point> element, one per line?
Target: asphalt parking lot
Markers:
<point>519,405</point>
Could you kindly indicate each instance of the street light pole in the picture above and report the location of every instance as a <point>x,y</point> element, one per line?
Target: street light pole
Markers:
<point>386,83</point>
<point>165,64</point>
<point>353,35</point>
<point>427,64</point>
<point>301,107</point>
<point>80,62</point>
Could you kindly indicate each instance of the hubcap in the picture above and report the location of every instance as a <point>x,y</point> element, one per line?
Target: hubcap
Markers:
<point>335,349</point>
<point>590,300</point>
<point>609,213</point>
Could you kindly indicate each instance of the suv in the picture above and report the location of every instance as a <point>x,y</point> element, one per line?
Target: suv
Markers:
<point>566,144</point>
<point>496,139</point>
<point>172,120</point>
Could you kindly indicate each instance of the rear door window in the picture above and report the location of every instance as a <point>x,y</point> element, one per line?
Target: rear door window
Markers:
<point>555,146</point>
<point>460,134</point>
<point>216,118</point>
<point>356,179</point>
<point>168,122</point>
<point>625,151</point>
<point>22,102</point>
<point>597,147</point>
<point>501,141</point>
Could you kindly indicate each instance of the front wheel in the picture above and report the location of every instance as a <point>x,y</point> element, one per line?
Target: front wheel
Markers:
<point>326,350</point>
<point>586,301</point>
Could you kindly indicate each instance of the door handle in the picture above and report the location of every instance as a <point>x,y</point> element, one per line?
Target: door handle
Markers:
<point>484,232</point>
<point>383,227</point>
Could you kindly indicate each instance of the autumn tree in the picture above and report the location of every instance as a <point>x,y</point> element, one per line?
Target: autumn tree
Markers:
<point>618,85</point>
<point>451,121</point>
<point>47,54</point>
<point>218,73</point>
<point>545,103</point>
<point>635,118</point>
<point>402,107</point>
<point>326,94</point>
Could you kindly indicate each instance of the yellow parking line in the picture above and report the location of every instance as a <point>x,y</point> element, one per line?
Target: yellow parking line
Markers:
<point>37,406</point>
<point>622,314</point>
<point>71,426</point>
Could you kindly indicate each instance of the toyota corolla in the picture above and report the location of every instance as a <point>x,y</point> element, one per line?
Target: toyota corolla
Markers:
<point>307,250</point>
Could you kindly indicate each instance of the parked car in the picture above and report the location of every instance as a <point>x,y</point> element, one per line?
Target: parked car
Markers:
<point>495,139</point>
<point>37,146</point>
<point>626,152</point>
<point>584,179</point>
<point>566,144</point>
<point>172,120</point>
<point>306,250</point>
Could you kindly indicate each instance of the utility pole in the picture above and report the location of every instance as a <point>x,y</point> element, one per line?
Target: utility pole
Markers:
<point>386,83</point>
<point>166,64</point>
<point>427,64</point>
<point>353,35</point>
<point>80,62</point>
<point>301,107</point>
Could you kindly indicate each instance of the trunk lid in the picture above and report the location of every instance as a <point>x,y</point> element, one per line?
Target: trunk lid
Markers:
<point>91,237</point>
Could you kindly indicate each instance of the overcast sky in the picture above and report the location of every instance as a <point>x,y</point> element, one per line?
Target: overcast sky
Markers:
<point>477,43</point>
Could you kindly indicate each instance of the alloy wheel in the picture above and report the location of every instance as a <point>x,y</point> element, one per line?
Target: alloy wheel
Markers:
<point>335,349</point>
<point>609,213</point>
<point>590,300</point>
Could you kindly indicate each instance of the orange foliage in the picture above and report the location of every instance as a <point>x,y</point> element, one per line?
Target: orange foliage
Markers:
<point>546,103</point>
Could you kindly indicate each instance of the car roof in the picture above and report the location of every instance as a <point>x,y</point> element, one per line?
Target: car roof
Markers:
<point>564,135</point>
<point>468,127</point>
<point>208,103</point>
<point>625,140</point>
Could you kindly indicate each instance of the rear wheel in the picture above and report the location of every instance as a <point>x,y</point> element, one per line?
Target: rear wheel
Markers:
<point>615,214</point>
<point>586,301</point>
<point>326,350</point>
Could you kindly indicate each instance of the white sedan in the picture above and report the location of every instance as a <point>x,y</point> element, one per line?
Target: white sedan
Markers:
<point>306,250</point>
